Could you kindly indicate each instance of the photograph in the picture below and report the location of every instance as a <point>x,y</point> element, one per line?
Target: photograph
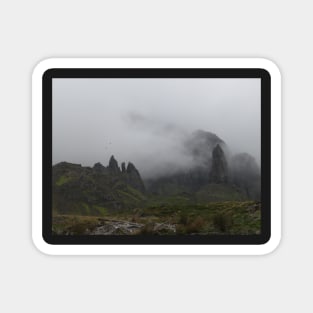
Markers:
<point>156,156</point>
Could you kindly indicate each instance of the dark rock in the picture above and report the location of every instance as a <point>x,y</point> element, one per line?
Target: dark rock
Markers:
<point>134,178</point>
<point>219,169</point>
<point>200,145</point>
<point>99,168</point>
<point>113,166</point>
<point>246,174</point>
<point>123,167</point>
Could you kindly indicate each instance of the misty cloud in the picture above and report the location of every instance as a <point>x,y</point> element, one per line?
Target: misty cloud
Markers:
<point>153,122</point>
<point>150,124</point>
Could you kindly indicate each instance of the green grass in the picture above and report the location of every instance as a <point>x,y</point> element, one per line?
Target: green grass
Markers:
<point>228,217</point>
<point>101,210</point>
<point>86,209</point>
<point>63,180</point>
<point>74,225</point>
<point>231,217</point>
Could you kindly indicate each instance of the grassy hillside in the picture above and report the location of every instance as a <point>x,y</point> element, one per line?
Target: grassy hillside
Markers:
<point>109,200</point>
<point>230,217</point>
<point>85,191</point>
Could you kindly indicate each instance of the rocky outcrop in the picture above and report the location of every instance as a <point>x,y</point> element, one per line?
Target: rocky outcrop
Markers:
<point>110,227</point>
<point>104,226</point>
<point>246,174</point>
<point>99,168</point>
<point>214,174</point>
<point>211,175</point>
<point>219,168</point>
<point>123,167</point>
<point>133,177</point>
<point>129,173</point>
<point>116,228</point>
<point>113,166</point>
<point>200,145</point>
<point>95,190</point>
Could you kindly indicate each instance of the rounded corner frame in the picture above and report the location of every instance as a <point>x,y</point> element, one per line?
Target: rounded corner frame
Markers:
<point>257,249</point>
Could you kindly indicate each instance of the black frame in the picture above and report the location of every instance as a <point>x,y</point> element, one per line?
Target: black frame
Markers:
<point>265,77</point>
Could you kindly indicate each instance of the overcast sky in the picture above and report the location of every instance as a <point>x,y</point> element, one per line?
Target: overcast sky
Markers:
<point>145,120</point>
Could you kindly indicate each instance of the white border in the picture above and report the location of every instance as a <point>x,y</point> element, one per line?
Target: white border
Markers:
<point>156,249</point>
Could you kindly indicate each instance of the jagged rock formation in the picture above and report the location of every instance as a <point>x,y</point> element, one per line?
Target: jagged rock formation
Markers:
<point>200,146</point>
<point>113,166</point>
<point>99,168</point>
<point>130,173</point>
<point>123,167</point>
<point>213,176</point>
<point>219,169</point>
<point>93,191</point>
<point>133,177</point>
<point>246,174</point>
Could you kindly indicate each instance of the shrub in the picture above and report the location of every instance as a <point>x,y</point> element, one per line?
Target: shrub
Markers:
<point>195,225</point>
<point>223,222</point>
<point>183,219</point>
<point>79,229</point>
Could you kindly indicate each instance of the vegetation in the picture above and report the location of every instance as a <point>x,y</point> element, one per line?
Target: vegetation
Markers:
<point>229,217</point>
<point>86,199</point>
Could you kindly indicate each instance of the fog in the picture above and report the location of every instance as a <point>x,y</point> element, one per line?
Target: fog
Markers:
<point>149,121</point>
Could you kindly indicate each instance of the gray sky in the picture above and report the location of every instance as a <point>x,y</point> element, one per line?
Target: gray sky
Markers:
<point>145,121</point>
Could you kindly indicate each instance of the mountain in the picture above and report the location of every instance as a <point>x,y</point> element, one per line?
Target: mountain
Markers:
<point>219,168</point>
<point>246,174</point>
<point>200,144</point>
<point>214,176</point>
<point>93,191</point>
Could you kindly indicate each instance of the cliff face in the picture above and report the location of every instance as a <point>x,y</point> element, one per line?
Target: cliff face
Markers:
<point>133,177</point>
<point>93,191</point>
<point>245,173</point>
<point>219,169</point>
<point>214,176</point>
<point>200,145</point>
<point>113,166</point>
<point>130,175</point>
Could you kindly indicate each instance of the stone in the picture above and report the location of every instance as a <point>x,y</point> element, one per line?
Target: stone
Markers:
<point>123,167</point>
<point>113,165</point>
<point>134,178</point>
<point>99,168</point>
<point>219,168</point>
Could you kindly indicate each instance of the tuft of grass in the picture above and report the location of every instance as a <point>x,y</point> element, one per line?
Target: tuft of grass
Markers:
<point>183,218</point>
<point>195,225</point>
<point>101,210</point>
<point>223,222</point>
<point>73,225</point>
<point>228,217</point>
<point>63,180</point>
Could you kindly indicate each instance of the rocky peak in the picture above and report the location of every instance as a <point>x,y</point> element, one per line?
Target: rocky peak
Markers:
<point>98,167</point>
<point>133,177</point>
<point>123,167</point>
<point>113,165</point>
<point>219,169</point>
<point>131,168</point>
<point>246,173</point>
